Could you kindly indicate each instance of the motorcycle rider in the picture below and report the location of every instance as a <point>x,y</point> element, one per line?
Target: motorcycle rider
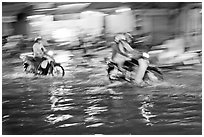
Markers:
<point>40,52</point>
<point>122,51</point>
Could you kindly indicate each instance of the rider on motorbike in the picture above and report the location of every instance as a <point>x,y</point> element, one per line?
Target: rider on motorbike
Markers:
<point>40,52</point>
<point>122,51</point>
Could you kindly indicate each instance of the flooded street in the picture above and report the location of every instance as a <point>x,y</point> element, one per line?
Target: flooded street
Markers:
<point>82,103</point>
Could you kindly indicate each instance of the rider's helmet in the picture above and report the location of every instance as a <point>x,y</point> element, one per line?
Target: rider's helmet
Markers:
<point>119,37</point>
<point>129,37</point>
<point>38,38</point>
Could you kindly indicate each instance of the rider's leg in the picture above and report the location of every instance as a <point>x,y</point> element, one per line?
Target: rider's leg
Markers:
<point>120,61</point>
<point>38,60</point>
<point>143,64</point>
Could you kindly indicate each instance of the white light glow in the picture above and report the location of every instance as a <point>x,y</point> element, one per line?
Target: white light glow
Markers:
<point>35,16</point>
<point>87,12</point>
<point>123,10</point>
<point>62,34</point>
<point>79,5</point>
<point>46,9</point>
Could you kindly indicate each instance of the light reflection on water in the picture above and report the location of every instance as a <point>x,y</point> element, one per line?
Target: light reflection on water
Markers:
<point>146,112</point>
<point>68,108</point>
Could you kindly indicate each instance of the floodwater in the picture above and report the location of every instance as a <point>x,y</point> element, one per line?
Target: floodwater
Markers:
<point>82,103</point>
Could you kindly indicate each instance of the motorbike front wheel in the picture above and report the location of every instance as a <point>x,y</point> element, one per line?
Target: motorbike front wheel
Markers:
<point>58,70</point>
<point>153,75</point>
<point>28,68</point>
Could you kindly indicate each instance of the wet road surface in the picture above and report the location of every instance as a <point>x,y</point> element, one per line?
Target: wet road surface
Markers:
<point>82,103</point>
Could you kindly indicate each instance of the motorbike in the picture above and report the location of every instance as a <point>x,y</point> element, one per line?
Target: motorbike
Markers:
<point>127,74</point>
<point>46,67</point>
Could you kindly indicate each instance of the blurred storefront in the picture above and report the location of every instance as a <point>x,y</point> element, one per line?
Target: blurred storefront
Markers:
<point>160,23</point>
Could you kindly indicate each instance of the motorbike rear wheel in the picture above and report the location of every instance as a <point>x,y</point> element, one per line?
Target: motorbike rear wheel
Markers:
<point>58,70</point>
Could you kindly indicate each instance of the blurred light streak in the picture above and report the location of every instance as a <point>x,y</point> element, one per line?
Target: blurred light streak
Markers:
<point>51,9</point>
<point>35,16</point>
<point>79,5</point>
<point>62,34</point>
<point>123,10</point>
<point>87,12</point>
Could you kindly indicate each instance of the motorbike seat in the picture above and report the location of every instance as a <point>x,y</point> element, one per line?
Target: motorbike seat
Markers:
<point>111,66</point>
<point>130,64</point>
<point>30,57</point>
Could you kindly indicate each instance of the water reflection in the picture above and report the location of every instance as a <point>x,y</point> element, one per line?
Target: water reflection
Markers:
<point>69,125</point>
<point>94,111</point>
<point>59,102</point>
<point>145,109</point>
<point>55,119</point>
<point>5,118</point>
<point>65,107</point>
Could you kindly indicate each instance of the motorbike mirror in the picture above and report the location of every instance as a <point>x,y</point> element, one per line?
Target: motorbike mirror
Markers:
<point>51,53</point>
<point>146,55</point>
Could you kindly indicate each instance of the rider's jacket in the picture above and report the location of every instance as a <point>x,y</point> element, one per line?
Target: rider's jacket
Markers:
<point>123,48</point>
<point>38,50</point>
<point>120,51</point>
